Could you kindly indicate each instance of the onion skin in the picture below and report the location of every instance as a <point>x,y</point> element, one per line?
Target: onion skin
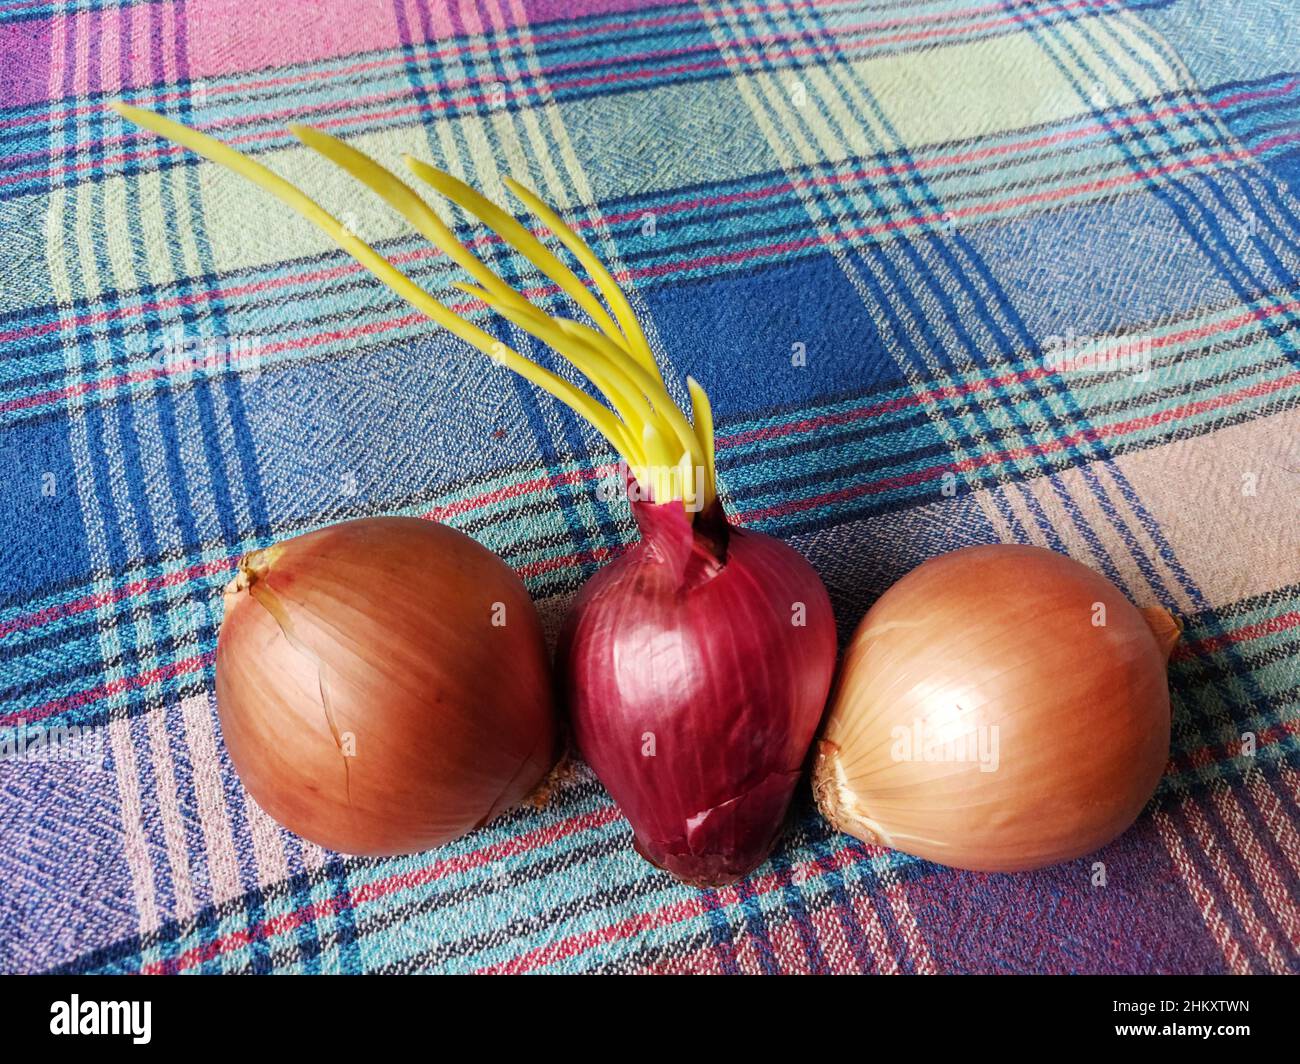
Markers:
<point>998,636</point>
<point>687,642</point>
<point>376,636</point>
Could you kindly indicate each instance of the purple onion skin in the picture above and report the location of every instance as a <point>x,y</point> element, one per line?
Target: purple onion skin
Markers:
<point>693,692</point>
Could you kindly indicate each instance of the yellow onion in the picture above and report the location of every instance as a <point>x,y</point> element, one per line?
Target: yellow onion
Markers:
<point>1000,708</point>
<point>383,685</point>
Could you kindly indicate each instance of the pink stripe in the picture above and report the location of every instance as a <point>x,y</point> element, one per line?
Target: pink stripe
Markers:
<point>131,590</point>
<point>136,850</point>
<point>1211,916</point>
<point>913,941</point>
<point>222,35</point>
<point>518,488</point>
<point>184,667</point>
<point>507,39</point>
<point>674,913</point>
<point>614,218</point>
<point>198,712</point>
<point>358,896</point>
<point>863,908</point>
<point>158,373</point>
<point>523,92</point>
<point>1257,863</point>
<point>632,927</point>
<point>703,961</point>
<point>565,561</point>
<point>167,793</point>
<point>1268,626</point>
<point>141,587</point>
<point>1213,853</point>
<point>788,950</point>
<point>1281,824</point>
<point>268,846</point>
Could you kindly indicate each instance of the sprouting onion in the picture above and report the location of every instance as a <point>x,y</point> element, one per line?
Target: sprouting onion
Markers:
<point>641,421</point>
<point>695,666</point>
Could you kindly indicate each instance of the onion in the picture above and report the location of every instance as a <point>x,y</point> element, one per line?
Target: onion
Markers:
<point>696,668</point>
<point>383,685</point>
<point>1000,708</point>
<point>711,647</point>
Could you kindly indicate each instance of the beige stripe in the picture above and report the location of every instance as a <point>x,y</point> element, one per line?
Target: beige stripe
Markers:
<point>1200,894</point>
<point>1237,895</point>
<point>896,893</point>
<point>313,856</point>
<point>134,844</point>
<point>1258,864</point>
<point>223,867</point>
<point>1275,816</point>
<point>864,908</point>
<point>268,846</point>
<point>173,824</point>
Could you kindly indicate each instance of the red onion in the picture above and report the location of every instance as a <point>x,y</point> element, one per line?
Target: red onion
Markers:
<point>696,667</point>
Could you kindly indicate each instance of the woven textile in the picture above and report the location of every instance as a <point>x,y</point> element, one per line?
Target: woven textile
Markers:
<point>953,272</point>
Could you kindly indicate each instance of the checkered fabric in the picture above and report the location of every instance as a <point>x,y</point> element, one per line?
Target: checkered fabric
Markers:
<point>953,272</point>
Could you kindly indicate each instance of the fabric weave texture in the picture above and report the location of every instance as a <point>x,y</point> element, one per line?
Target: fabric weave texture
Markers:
<point>953,272</point>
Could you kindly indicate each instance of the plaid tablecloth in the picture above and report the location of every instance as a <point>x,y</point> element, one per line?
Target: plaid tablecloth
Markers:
<point>953,272</point>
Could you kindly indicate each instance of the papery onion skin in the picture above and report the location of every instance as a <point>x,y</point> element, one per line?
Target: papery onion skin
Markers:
<point>696,668</point>
<point>368,699</point>
<point>998,636</point>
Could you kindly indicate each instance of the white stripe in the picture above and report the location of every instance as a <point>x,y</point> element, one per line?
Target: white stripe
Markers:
<point>1237,896</point>
<point>173,823</point>
<point>268,846</point>
<point>1214,923</point>
<point>134,844</point>
<point>223,865</point>
<point>1258,864</point>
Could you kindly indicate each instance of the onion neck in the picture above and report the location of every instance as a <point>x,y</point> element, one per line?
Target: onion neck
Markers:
<point>695,550</point>
<point>253,567</point>
<point>1164,626</point>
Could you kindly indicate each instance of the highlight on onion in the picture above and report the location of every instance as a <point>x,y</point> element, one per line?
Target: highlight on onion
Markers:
<point>697,666</point>
<point>383,685</point>
<point>1000,708</point>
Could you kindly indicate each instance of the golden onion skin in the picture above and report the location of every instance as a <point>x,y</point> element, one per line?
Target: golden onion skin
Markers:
<point>998,641</point>
<point>368,699</point>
